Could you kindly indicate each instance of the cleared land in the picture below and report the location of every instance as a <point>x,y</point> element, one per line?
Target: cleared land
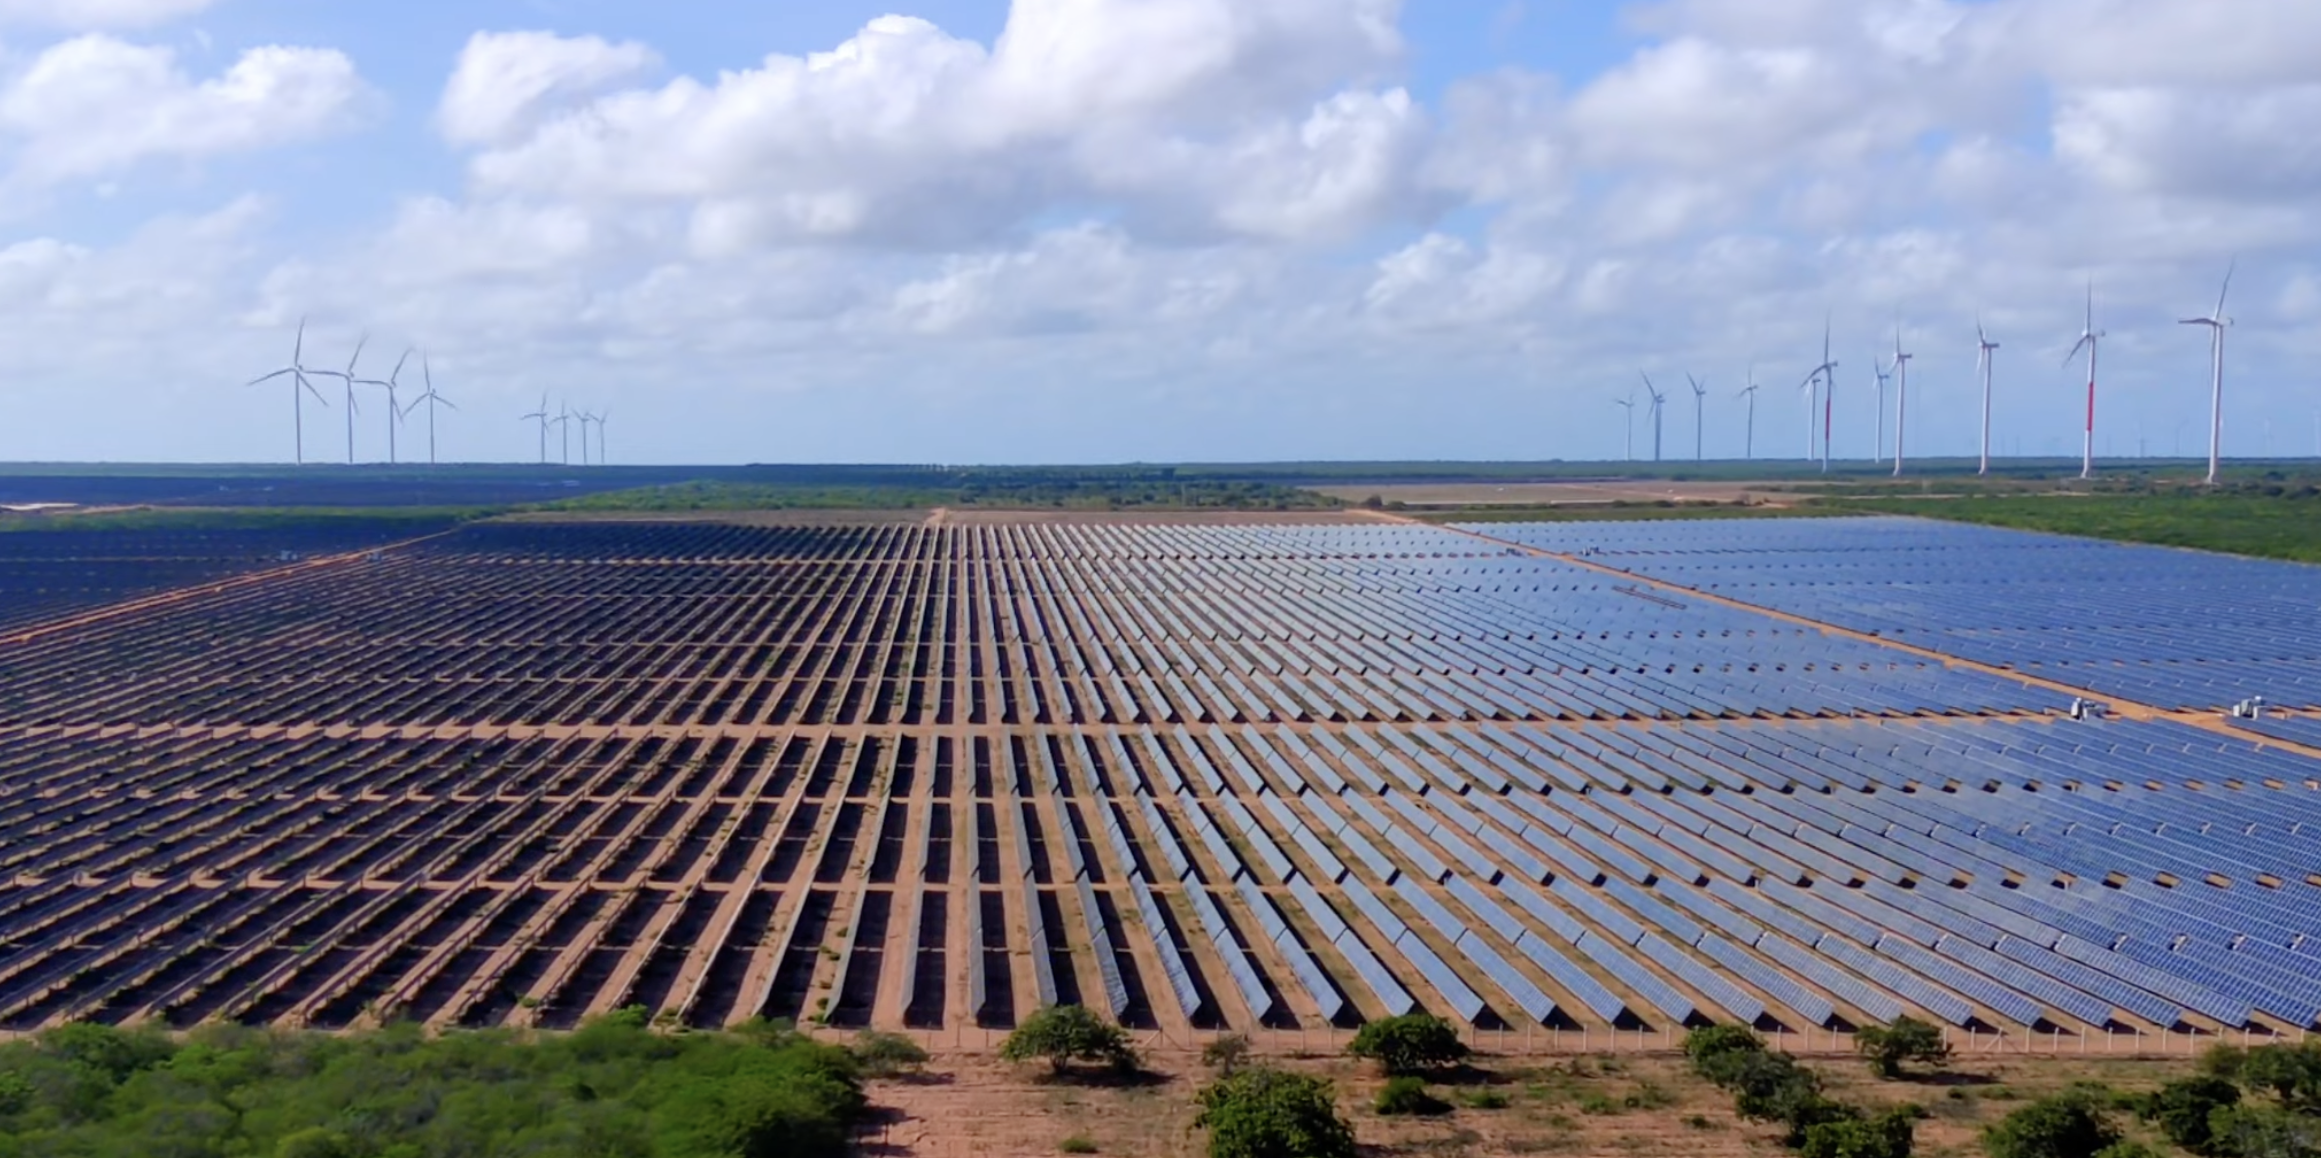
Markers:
<point>1575,493</point>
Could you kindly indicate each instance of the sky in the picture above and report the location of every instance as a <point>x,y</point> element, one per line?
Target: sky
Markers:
<point>966,231</point>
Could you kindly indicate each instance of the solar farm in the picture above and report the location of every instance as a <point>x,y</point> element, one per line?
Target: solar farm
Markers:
<point>1799,774</point>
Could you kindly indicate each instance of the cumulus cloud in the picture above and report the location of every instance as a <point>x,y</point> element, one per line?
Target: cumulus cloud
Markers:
<point>94,105</point>
<point>1212,116</point>
<point>505,82</point>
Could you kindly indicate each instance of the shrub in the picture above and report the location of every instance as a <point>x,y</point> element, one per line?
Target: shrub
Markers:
<point>885,1055</point>
<point>2291,1073</point>
<point>2264,1132</point>
<point>2065,1126</point>
<point>2181,1109</point>
<point>1063,1034</point>
<point>1889,1135</point>
<point>1409,1044</point>
<point>1266,1113</point>
<point>1226,1055</point>
<point>1077,1144</point>
<point>1483,1100</point>
<point>1710,1047</point>
<point>1408,1095</point>
<point>1907,1039</point>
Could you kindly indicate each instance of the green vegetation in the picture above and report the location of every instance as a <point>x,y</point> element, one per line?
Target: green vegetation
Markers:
<point>1408,1094</point>
<point>1064,1034</point>
<point>1001,488</point>
<point>1410,1044</point>
<point>2277,518</point>
<point>1907,1039</point>
<point>1772,1087</point>
<point>887,1055</point>
<point>1889,1135</point>
<point>613,1088</point>
<point>409,521</point>
<point>1226,1055</point>
<point>1268,1113</point>
<point>2070,1125</point>
<point>1077,1144</point>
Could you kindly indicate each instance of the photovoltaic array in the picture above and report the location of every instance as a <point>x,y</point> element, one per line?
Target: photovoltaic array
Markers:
<point>1241,775</point>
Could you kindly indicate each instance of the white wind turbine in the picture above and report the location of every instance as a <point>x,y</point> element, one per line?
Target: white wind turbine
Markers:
<point>544,419</point>
<point>1823,378</point>
<point>1901,395</point>
<point>2216,322</point>
<point>2089,338</point>
<point>348,377</point>
<point>1749,438</point>
<point>392,383</point>
<point>297,372</point>
<point>1700,395</point>
<point>1878,453</point>
<point>1659,406</point>
<point>432,400</point>
<point>1627,424</point>
<point>1984,345</point>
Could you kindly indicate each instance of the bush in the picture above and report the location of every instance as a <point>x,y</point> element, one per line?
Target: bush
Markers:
<point>1889,1135</point>
<point>1484,1100</point>
<point>1409,1044</point>
<point>1064,1034</point>
<point>1077,1144</point>
<point>1907,1039</point>
<point>1708,1046</point>
<point>2264,1132</point>
<point>2181,1109</point>
<point>1408,1095</point>
<point>2066,1126</point>
<point>2291,1073</point>
<point>886,1055</point>
<point>1226,1055</point>
<point>1266,1113</point>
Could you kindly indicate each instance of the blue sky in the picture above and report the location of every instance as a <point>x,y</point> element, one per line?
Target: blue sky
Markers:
<point>1101,230</point>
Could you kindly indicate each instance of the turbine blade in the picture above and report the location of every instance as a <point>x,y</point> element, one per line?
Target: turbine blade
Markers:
<point>267,378</point>
<point>2220,294</point>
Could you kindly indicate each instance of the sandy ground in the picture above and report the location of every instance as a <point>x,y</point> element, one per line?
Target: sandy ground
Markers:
<point>1557,494</point>
<point>1629,1106</point>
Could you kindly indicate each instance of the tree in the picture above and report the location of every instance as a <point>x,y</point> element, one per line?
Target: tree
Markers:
<point>1226,1055</point>
<point>2065,1126</point>
<point>1409,1044</point>
<point>2291,1073</point>
<point>1266,1113</point>
<point>1889,1135</point>
<point>1906,1039</point>
<point>1714,1050</point>
<point>2264,1132</point>
<point>2181,1109</point>
<point>1772,1087</point>
<point>1064,1034</point>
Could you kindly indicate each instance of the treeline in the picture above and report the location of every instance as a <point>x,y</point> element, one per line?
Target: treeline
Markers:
<point>1031,488</point>
<point>612,1089</point>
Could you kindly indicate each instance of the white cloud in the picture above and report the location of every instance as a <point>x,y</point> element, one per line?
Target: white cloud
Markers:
<point>79,15</point>
<point>505,82</point>
<point>96,105</point>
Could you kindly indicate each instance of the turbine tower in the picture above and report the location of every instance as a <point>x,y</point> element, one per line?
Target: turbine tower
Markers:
<point>2216,322</point>
<point>433,400</point>
<point>394,411</point>
<point>1659,405</point>
<point>1824,381</point>
<point>2089,338</point>
<point>1878,453</point>
<point>564,432</point>
<point>348,377</point>
<point>1901,395</point>
<point>544,418</point>
<point>1985,345</point>
<point>602,417</point>
<point>1749,443</point>
<point>299,387</point>
<point>1627,424</point>
<point>586,419</point>
<point>1700,395</point>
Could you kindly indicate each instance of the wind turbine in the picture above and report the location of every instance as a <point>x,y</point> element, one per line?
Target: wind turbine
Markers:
<point>564,431</point>
<point>2216,323</point>
<point>585,419</point>
<point>1627,424</point>
<point>1826,376</point>
<point>542,415</point>
<point>601,419</point>
<point>1985,345</point>
<point>1878,453</point>
<point>1901,394</point>
<point>348,376</point>
<point>394,411</point>
<point>432,399</point>
<point>2089,338</point>
<point>1700,395</point>
<point>1659,401</point>
<point>1749,445</point>
<point>297,372</point>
